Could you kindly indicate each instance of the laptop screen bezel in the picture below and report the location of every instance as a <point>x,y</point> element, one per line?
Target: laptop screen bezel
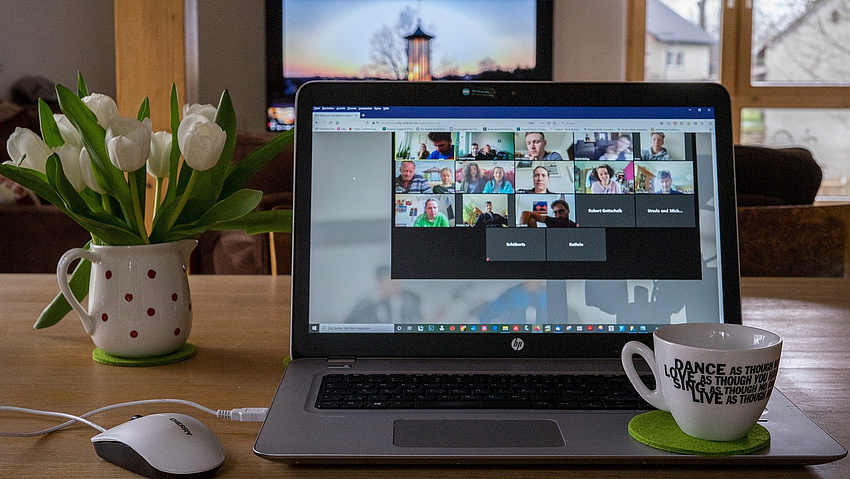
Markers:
<point>602,345</point>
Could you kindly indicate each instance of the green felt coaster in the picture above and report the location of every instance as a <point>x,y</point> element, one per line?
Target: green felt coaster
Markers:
<point>659,430</point>
<point>185,352</point>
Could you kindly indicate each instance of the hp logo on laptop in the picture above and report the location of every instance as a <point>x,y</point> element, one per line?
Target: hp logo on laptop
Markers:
<point>517,344</point>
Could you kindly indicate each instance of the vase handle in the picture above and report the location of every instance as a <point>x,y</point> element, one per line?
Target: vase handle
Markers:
<point>62,277</point>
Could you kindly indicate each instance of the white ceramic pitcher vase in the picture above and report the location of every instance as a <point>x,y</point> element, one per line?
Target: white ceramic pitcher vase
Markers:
<point>139,303</point>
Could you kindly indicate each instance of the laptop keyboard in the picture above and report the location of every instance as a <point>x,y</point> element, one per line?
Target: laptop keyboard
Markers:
<point>479,391</point>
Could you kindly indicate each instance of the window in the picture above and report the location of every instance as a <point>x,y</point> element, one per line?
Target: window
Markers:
<point>786,64</point>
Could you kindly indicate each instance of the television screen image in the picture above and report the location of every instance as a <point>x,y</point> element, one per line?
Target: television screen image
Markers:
<point>485,145</point>
<point>601,177</point>
<point>420,145</point>
<point>542,206</point>
<point>662,146</point>
<point>541,177</point>
<point>605,146</point>
<point>540,146</point>
<point>418,210</point>
<point>664,177</point>
<point>486,211</point>
<point>401,40</point>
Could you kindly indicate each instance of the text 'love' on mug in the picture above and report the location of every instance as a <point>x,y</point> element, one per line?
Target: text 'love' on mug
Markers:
<point>715,379</point>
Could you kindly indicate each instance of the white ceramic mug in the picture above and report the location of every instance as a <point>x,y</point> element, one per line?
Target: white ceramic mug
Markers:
<point>715,379</point>
<point>139,303</point>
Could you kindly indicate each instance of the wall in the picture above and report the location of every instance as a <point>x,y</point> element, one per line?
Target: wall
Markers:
<point>55,39</point>
<point>70,35</point>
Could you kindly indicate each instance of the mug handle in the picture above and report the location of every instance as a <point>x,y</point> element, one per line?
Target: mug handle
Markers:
<point>62,277</point>
<point>654,396</point>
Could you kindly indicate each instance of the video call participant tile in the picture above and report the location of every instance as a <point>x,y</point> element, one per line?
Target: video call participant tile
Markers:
<point>575,244</point>
<point>665,211</point>
<point>605,211</point>
<point>516,244</point>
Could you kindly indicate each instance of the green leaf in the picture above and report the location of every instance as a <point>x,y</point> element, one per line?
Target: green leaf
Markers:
<point>255,222</point>
<point>59,307</point>
<point>82,91</point>
<point>105,227</point>
<point>174,160</point>
<point>245,169</point>
<point>49,128</point>
<point>144,110</point>
<point>278,221</point>
<point>34,180</point>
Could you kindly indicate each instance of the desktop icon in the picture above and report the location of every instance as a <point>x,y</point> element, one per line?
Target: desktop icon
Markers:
<point>462,327</point>
<point>420,328</point>
<point>452,328</point>
<point>622,328</point>
<point>430,327</point>
<point>483,327</point>
<point>516,327</point>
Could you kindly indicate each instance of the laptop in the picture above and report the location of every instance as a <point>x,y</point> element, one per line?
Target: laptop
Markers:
<point>470,258</point>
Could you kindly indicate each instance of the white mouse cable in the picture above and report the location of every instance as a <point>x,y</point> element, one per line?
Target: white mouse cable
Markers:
<point>239,414</point>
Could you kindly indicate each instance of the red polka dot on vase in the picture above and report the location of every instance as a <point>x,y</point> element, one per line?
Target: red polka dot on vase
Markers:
<point>177,332</point>
<point>104,317</point>
<point>151,311</point>
<point>128,297</point>
<point>134,334</point>
<point>108,274</point>
<point>173,296</point>
<point>151,274</point>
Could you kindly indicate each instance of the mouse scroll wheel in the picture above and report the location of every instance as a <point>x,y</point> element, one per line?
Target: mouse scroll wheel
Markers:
<point>136,416</point>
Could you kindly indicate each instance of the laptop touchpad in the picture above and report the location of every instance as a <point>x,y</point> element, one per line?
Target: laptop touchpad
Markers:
<point>477,433</point>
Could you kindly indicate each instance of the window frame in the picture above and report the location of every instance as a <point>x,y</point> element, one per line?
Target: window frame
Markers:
<point>735,64</point>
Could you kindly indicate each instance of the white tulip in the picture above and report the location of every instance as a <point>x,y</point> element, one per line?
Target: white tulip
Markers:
<point>201,141</point>
<point>69,156</point>
<point>67,130</point>
<point>207,110</point>
<point>104,108</point>
<point>128,142</point>
<point>160,159</point>
<point>27,149</point>
<point>87,172</point>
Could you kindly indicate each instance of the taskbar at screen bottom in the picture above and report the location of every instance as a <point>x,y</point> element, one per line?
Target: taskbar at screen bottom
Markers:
<point>348,328</point>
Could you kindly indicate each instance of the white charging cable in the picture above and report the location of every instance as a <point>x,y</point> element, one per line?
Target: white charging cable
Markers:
<point>240,414</point>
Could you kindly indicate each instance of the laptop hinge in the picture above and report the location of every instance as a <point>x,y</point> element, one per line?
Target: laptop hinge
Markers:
<point>341,363</point>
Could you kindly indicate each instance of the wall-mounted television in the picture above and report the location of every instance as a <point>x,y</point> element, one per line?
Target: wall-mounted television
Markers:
<point>402,40</point>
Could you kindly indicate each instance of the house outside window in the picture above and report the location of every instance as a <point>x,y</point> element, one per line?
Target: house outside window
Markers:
<point>785,63</point>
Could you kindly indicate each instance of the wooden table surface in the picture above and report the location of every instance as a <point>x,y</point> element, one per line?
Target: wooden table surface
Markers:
<point>241,330</point>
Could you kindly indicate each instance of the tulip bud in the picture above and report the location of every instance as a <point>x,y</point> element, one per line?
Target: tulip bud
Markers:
<point>160,159</point>
<point>201,141</point>
<point>27,149</point>
<point>206,110</point>
<point>103,107</point>
<point>128,142</point>
<point>87,172</point>
<point>67,130</point>
<point>69,156</point>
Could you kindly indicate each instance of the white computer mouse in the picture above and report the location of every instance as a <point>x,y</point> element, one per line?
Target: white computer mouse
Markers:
<point>162,445</point>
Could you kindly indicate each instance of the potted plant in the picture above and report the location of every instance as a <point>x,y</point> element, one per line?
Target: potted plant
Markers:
<point>91,163</point>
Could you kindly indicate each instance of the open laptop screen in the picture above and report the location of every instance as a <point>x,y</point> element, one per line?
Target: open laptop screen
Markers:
<point>507,219</point>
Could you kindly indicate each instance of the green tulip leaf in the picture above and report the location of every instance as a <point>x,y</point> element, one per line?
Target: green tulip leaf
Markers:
<point>32,179</point>
<point>82,91</point>
<point>245,169</point>
<point>59,307</point>
<point>144,110</point>
<point>49,128</point>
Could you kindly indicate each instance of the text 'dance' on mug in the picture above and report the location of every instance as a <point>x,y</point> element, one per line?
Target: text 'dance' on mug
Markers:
<point>715,379</point>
